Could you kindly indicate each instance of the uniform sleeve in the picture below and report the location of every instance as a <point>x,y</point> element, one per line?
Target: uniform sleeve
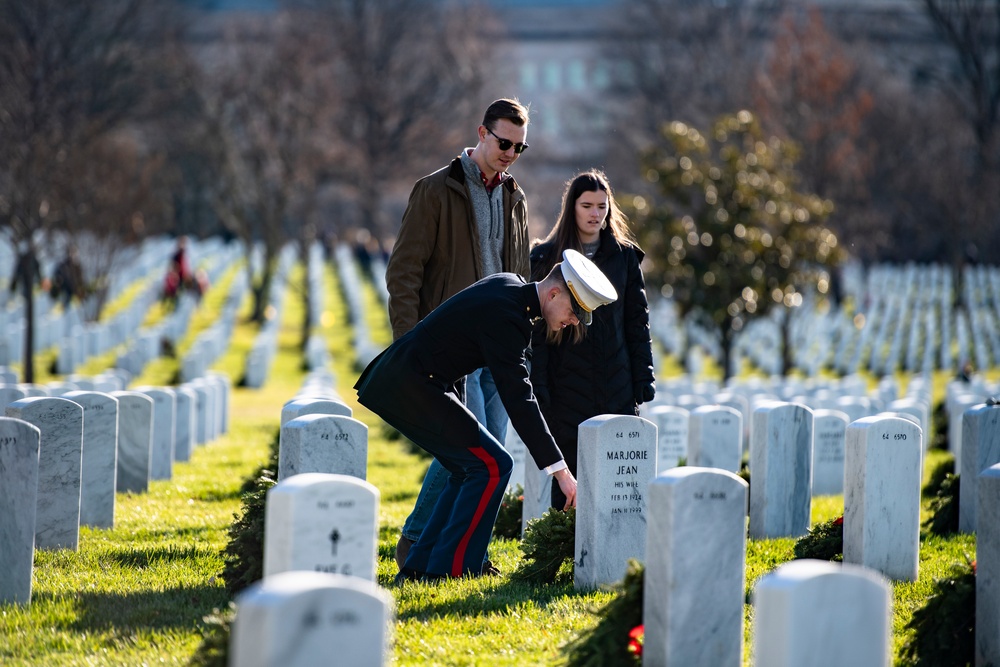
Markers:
<point>508,365</point>
<point>404,274</point>
<point>637,336</point>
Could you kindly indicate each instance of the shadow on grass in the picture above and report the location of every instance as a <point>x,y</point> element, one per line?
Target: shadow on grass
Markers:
<point>218,495</point>
<point>487,600</point>
<point>123,613</point>
<point>142,558</point>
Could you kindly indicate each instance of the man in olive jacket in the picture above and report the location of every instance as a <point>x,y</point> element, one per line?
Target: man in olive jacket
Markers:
<point>462,223</point>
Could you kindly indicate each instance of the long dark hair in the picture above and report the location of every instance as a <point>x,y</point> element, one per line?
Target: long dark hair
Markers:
<point>564,234</point>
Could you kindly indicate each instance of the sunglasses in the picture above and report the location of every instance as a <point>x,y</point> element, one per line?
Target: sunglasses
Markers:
<point>505,144</point>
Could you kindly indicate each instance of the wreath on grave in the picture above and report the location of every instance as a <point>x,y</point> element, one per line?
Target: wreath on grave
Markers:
<point>508,523</point>
<point>214,648</point>
<point>825,541</point>
<point>243,556</point>
<point>617,639</point>
<point>548,544</point>
<point>937,477</point>
<point>943,508</point>
<point>943,630</point>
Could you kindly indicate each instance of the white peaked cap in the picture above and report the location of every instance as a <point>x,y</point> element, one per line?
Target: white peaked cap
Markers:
<point>590,288</point>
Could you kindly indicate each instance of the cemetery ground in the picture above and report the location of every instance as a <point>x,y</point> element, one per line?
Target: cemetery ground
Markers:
<point>138,594</point>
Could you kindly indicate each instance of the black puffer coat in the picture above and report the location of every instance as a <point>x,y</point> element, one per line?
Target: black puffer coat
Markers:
<point>611,370</point>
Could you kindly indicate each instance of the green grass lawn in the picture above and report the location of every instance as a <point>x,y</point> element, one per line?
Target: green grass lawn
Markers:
<point>138,594</point>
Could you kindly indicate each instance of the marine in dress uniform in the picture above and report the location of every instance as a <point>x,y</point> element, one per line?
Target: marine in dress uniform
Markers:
<point>412,386</point>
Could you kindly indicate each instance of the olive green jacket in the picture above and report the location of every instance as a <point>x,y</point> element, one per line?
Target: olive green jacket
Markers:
<point>437,251</point>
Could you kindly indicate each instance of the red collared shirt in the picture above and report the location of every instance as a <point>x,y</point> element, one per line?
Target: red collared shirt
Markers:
<point>491,184</point>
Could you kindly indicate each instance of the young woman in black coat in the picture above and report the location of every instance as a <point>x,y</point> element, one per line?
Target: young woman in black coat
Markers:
<point>606,368</point>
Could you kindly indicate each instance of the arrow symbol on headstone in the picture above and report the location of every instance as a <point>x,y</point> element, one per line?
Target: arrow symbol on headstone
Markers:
<point>334,538</point>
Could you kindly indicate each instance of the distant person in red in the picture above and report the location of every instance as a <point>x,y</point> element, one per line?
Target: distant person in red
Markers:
<point>179,276</point>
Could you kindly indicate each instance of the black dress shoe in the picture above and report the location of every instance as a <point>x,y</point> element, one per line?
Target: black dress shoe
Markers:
<point>490,570</point>
<point>402,548</point>
<point>409,574</point>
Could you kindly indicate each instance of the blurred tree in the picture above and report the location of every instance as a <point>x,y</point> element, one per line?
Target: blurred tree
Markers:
<point>811,91</point>
<point>116,193</point>
<point>732,237</point>
<point>266,94</point>
<point>679,59</point>
<point>971,30</point>
<point>407,86</point>
<point>71,74</point>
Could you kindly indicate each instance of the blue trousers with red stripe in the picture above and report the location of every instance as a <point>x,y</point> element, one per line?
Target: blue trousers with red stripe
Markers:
<point>457,535</point>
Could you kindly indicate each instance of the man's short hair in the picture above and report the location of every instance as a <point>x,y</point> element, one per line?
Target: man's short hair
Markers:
<point>508,109</point>
<point>556,274</point>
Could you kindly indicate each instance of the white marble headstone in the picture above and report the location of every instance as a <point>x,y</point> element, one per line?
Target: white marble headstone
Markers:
<point>10,393</point>
<point>615,461</point>
<point>19,448</point>
<point>780,469</point>
<point>715,438</point>
<point>829,439</point>
<point>517,450</point>
<point>201,408</point>
<point>185,423</point>
<point>882,476</point>
<point>60,423</point>
<point>537,494</point>
<point>672,428</point>
<point>322,523</point>
<point>988,568</point>
<point>323,443</point>
<point>956,408</point>
<point>822,614</point>
<point>695,568</point>
<point>981,450</point>
<point>304,619</point>
<point>100,457</point>
<point>161,458</point>
<point>223,389</point>
<point>135,440</point>
<point>298,407</point>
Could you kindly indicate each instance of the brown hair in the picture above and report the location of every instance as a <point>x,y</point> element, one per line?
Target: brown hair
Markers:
<point>508,109</point>
<point>564,235</point>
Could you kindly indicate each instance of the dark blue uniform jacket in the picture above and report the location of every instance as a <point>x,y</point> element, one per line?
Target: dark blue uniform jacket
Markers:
<point>488,324</point>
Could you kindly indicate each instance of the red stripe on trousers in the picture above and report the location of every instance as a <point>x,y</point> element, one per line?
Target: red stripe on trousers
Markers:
<point>494,470</point>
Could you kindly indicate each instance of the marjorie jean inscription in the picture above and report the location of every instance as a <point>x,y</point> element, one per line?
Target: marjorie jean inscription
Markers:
<point>633,494</point>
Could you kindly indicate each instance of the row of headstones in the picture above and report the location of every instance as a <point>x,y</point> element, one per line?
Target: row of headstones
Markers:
<point>317,355</point>
<point>902,318</point>
<point>351,285</point>
<point>320,544</point>
<point>620,459</point>
<point>64,458</point>
<point>93,338</point>
<point>694,549</point>
<point>265,344</point>
<point>688,524</point>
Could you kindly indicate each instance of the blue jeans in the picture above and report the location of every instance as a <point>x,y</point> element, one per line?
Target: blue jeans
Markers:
<point>483,401</point>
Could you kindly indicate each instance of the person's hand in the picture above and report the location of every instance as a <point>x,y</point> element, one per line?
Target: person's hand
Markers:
<point>567,484</point>
<point>644,392</point>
